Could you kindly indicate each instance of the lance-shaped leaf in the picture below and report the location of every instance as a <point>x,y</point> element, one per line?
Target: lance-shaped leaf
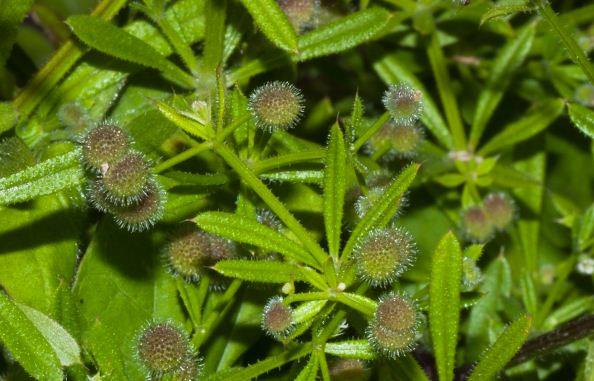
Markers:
<point>189,125</point>
<point>26,343</point>
<point>531,124</point>
<point>308,311</point>
<point>248,231</point>
<point>499,354</point>
<point>444,303</point>
<point>334,188</point>
<point>60,340</point>
<point>45,178</point>
<point>109,39</point>
<point>342,34</point>
<point>383,210</point>
<point>509,59</point>
<point>273,22</point>
<point>583,118</point>
<point>264,271</point>
<point>359,349</point>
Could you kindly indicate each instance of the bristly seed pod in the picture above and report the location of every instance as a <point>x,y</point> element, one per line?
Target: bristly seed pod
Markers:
<point>162,348</point>
<point>383,255</point>
<point>192,251</point>
<point>403,103</point>
<point>277,318</point>
<point>471,274</point>
<point>103,145</point>
<point>189,370</point>
<point>476,225</point>
<point>301,13</point>
<point>345,369</point>
<point>500,209</point>
<point>393,330</point>
<point>276,105</point>
<point>125,181</point>
<point>145,213</point>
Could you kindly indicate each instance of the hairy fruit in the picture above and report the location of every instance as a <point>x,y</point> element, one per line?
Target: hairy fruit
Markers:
<point>276,105</point>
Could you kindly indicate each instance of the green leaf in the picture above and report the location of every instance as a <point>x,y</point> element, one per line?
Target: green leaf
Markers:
<point>499,354</point>
<point>444,303</point>
<point>499,11</point>
<point>508,60</point>
<point>308,311</point>
<point>109,39</point>
<point>408,368</point>
<point>259,271</point>
<point>583,118</point>
<point>529,125</point>
<point>310,372</point>
<point>384,208</point>
<point>358,349</point>
<point>214,39</point>
<point>248,231</point>
<point>273,22</point>
<point>26,344</point>
<point>342,34</point>
<point>12,13</point>
<point>122,272</point>
<point>8,116</point>
<point>585,228</point>
<point>45,178</point>
<point>334,188</point>
<point>185,122</point>
<point>60,340</point>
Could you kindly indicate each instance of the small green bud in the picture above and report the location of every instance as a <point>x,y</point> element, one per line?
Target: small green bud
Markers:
<point>191,252</point>
<point>584,94</point>
<point>301,13</point>
<point>344,369</point>
<point>500,210</point>
<point>403,103</point>
<point>162,348</point>
<point>383,255</point>
<point>476,225</point>
<point>471,274</point>
<point>276,105</point>
<point>74,116</point>
<point>145,213</point>
<point>126,181</point>
<point>277,318</point>
<point>393,329</point>
<point>103,145</point>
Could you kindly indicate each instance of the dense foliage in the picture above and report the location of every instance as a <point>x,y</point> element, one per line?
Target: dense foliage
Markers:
<point>296,190</point>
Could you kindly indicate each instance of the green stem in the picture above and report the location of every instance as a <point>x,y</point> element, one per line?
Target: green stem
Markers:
<point>47,78</point>
<point>575,52</point>
<point>272,201</point>
<point>446,93</point>
<point>188,154</point>
<point>306,297</point>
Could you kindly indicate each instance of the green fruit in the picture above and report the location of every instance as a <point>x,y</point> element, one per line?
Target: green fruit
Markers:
<point>277,318</point>
<point>143,214</point>
<point>345,369</point>
<point>500,210</point>
<point>276,105</point>
<point>191,252</point>
<point>126,181</point>
<point>104,145</point>
<point>162,348</point>
<point>476,225</point>
<point>383,255</point>
<point>301,13</point>
<point>393,329</point>
<point>471,274</point>
<point>403,103</point>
